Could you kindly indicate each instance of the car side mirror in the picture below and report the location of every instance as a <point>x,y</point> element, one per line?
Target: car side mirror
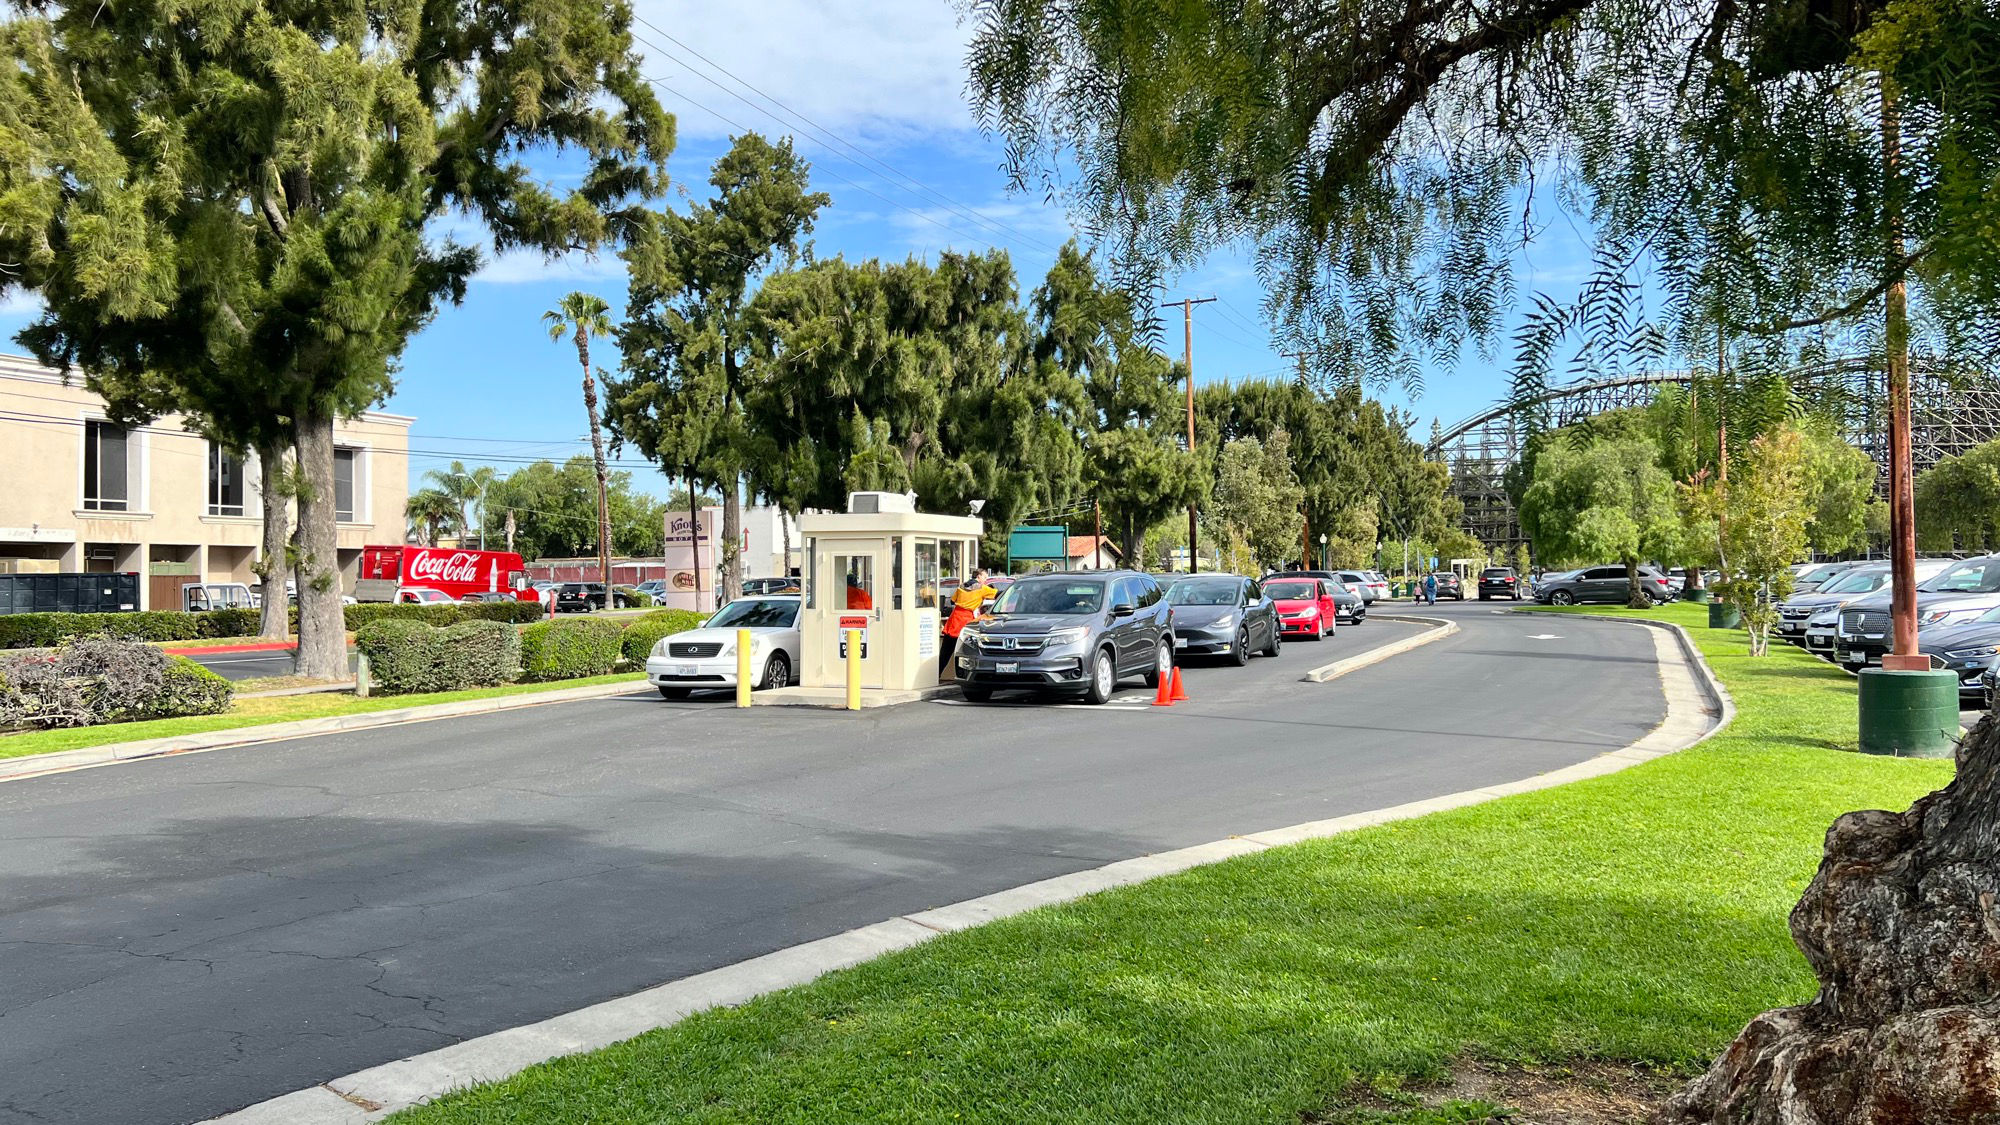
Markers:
<point>1124,609</point>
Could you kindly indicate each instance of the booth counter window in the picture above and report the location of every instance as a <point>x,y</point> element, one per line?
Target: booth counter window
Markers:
<point>951,558</point>
<point>927,575</point>
<point>858,577</point>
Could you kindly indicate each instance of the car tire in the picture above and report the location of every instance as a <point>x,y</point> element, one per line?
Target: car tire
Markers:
<point>972,694</point>
<point>1103,678</point>
<point>673,693</point>
<point>777,673</point>
<point>1277,641</point>
<point>1318,630</point>
<point>1562,597</point>
<point>1163,662</point>
<point>1239,652</point>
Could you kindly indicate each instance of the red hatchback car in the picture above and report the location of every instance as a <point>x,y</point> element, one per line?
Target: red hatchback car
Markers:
<point>1306,607</point>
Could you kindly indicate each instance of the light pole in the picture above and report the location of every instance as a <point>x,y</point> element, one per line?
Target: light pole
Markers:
<point>1322,552</point>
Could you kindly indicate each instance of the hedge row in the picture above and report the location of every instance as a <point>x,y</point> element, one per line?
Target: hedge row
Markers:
<point>569,649</point>
<point>410,656</point>
<point>99,680</point>
<point>642,634</point>
<point>46,630</point>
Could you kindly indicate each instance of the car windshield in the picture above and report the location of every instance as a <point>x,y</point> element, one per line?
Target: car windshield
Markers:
<point>1291,591</point>
<point>756,613</point>
<point>1051,597</point>
<point>1823,572</point>
<point>1205,591</point>
<point>1855,582</point>
<point>1973,576</point>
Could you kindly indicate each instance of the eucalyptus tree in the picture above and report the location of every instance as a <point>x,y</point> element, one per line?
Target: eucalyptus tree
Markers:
<point>581,316</point>
<point>229,209</point>
<point>688,361</point>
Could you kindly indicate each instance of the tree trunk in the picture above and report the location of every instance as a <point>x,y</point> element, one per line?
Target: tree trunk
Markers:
<point>785,532</point>
<point>510,530</point>
<point>1900,927</point>
<point>1635,595</point>
<point>597,457</point>
<point>322,653</point>
<point>274,567</point>
<point>732,541</point>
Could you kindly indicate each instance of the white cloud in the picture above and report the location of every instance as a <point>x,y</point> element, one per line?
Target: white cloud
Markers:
<point>1001,222</point>
<point>883,70</point>
<point>21,303</point>
<point>519,267</point>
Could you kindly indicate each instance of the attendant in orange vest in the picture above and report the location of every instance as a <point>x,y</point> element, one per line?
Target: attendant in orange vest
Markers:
<point>857,597</point>
<point>964,607</point>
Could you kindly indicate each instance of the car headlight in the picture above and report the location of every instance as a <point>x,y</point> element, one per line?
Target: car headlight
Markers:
<point>660,647</point>
<point>1225,621</point>
<point>1973,653</point>
<point>1933,616</point>
<point>969,635</point>
<point>1057,638</point>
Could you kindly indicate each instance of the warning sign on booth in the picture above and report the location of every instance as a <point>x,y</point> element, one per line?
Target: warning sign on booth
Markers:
<point>855,623</point>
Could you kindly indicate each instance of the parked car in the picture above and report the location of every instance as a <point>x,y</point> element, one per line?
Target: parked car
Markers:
<point>579,597</point>
<point>1225,614</point>
<point>1377,582</point>
<point>1349,604</point>
<point>1812,577</point>
<point>1954,595</point>
<point>1075,633</point>
<point>1306,606</point>
<point>1449,586</point>
<point>199,597</point>
<point>656,587</point>
<point>1605,585</point>
<point>1967,650</point>
<point>489,596</point>
<point>1360,583</point>
<point>423,595</point>
<point>1499,582</point>
<point>762,586</point>
<point>706,657</point>
<point>1796,613</point>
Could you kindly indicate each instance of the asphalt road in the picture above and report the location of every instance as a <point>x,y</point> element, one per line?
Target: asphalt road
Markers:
<point>184,936</point>
<point>249,665</point>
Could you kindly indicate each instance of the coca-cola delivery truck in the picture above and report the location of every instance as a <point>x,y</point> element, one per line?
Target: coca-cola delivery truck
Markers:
<point>385,571</point>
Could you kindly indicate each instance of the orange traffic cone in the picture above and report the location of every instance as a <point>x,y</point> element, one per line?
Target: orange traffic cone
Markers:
<point>1180,694</point>
<point>1164,696</point>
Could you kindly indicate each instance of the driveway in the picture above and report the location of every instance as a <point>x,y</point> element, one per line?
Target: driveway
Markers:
<point>188,935</point>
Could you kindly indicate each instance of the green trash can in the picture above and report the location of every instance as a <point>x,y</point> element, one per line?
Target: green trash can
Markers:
<point>1703,595</point>
<point>1909,714</point>
<point>1724,615</point>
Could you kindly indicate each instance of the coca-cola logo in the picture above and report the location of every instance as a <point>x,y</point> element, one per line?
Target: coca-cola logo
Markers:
<point>459,566</point>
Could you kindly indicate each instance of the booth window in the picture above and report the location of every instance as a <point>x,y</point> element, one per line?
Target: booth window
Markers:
<point>927,574</point>
<point>896,573</point>
<point>952,560</point>
<point>858,576</point>
<point>812,572</point>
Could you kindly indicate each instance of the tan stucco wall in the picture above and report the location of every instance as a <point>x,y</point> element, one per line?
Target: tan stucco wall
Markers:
<point>41,485</point>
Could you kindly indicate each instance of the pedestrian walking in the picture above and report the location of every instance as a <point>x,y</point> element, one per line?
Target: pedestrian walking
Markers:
<point>965,605</point>
<point>1430,589</point>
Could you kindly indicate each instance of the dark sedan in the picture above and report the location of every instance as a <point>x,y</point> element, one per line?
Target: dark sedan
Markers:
<point>1449,586</point>
<point>1604,584</point>
<point>1224,614</point>
<point>1966,650</point>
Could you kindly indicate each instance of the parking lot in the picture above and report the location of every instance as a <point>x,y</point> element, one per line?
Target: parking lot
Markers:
<point>189,935</point>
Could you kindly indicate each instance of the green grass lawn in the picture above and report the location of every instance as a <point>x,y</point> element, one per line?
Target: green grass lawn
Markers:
<point>281,709</point>
<point>1636,917</point>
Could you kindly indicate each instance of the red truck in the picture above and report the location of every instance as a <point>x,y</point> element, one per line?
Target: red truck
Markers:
<point>387,571</point>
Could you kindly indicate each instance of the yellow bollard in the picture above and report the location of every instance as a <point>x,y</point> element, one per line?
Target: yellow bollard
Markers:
<point>743,667</point>
<point>854,669</point>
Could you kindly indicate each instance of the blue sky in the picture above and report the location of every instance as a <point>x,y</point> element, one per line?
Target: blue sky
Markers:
<point>486,384</point>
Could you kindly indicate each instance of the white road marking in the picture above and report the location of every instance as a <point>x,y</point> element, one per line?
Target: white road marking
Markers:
<point>1543,637</point>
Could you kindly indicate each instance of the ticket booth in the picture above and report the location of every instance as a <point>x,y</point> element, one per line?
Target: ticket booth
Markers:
<point>886,569</point>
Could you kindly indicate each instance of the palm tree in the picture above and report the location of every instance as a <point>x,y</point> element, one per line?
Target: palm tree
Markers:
<point>430,511</point>
<point>464,486</point>
<point>581,316</point>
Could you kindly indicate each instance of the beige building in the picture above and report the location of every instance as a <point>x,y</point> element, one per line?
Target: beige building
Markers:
<point>82,494</point>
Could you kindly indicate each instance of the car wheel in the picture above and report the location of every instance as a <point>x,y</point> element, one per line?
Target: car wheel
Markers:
<point>1163,664</point>
<point>673,693</point>
<point>1277,640</point>
<point>777,673</point>
<point>1103,678</point>
<point>1562,597</point>
<point>1240,651</point>
<point>973,694</point>
<point>1318,630</point>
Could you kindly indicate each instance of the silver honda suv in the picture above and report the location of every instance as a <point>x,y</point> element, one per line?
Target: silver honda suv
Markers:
<point>1077,633</point>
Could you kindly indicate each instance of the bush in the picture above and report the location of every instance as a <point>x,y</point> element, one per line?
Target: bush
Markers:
<point>642,634</point>
<point>515,612</point>
<point>410,656</point>
<point>569,649</point>
<point>105,680</point>
<point>46,630</point>
<point>680,620</point>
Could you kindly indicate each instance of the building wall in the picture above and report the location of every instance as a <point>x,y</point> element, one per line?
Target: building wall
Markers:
<point>168,532</point>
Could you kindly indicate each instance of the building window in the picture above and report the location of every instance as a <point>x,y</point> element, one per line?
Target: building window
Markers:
<point>106,467</point>
<point>225,482</point>
<point>343,484</point>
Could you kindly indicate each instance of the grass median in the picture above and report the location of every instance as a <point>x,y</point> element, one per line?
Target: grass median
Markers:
<point>1638,918</point>
<point>271,709</point>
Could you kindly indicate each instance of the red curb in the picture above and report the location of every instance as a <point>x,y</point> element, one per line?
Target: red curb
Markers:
<point>260,646</point>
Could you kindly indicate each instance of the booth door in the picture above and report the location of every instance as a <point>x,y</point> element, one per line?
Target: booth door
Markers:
<point>851,590</point>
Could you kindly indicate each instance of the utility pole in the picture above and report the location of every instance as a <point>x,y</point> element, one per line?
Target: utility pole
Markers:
<point>1096,533</point>
<point>1187,305</point>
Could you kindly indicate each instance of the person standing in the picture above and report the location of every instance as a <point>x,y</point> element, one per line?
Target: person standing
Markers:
<point>965,605</point>
<point>1430,589</point>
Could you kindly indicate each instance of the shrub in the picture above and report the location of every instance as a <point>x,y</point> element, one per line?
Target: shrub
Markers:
<point>516,612</point>
<point>46,630</point>
<point>569,649</point>
<point>410,656</point>
<point>642,634</point>
<point>680,620</point>
<point>105,680</point>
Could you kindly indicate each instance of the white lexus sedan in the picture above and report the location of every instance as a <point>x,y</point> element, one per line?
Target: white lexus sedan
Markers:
<point>706,657</point>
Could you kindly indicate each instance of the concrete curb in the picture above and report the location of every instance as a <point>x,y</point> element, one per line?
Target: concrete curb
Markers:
<point>63,761</point>
<point>1440,629</point>
<point>370,1095</point>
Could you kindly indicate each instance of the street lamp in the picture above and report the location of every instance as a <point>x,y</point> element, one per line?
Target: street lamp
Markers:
<point>1322,549</point>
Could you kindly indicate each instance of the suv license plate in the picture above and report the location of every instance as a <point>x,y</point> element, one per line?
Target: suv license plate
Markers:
<point>1006,669</point>
<point>689,670</point>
